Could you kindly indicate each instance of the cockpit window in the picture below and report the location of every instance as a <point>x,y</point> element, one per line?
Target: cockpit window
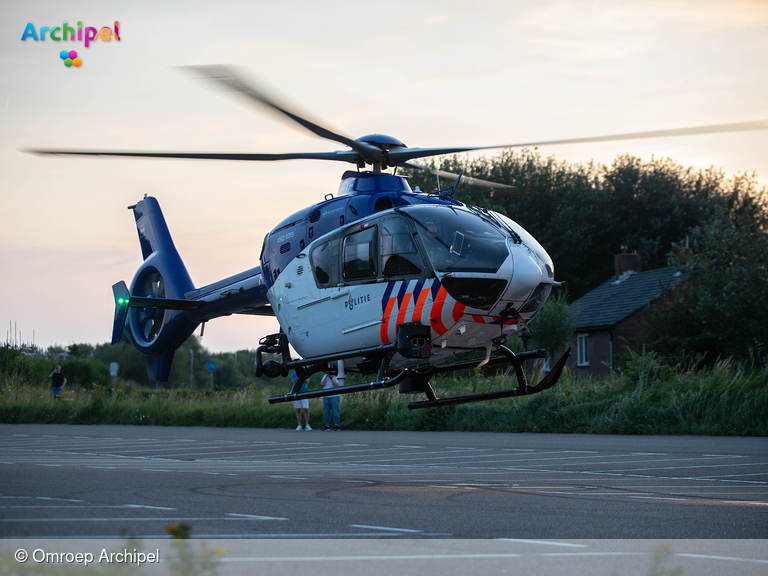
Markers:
<point>399,255</point>
<point>458,240</point>
<point>360,255</point>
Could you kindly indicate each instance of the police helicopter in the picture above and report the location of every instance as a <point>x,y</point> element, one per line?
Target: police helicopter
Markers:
<point>383,280</point>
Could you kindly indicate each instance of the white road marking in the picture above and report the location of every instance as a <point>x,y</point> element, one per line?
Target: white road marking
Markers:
<point>425,556</point>
<point>657,498</point>
<point>421,457</point>
<point>723,558</point>
<point>252,517</point>
<point>692,467</point>
<point>288,477</point>
<point>546,542</point>
<point>739,475</point>
<point>48,506</point>
<point>136,519</point>
<point>292,536</point>
<point>279,453</point>
<point>38,498</point>
<point>385,528</point>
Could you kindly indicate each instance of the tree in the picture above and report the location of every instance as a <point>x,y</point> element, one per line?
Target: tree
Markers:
<point>553,328</point>
<point>80,351</point>
<point>583,213</point>
<point>722,310</point>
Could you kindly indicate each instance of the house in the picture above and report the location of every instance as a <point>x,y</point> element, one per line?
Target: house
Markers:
<point>610,316</point>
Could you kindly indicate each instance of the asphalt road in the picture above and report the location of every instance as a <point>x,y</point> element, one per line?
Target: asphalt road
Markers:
<point>109,481</point>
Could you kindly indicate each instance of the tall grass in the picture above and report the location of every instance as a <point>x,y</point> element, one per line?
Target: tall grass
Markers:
<point>647,398</point>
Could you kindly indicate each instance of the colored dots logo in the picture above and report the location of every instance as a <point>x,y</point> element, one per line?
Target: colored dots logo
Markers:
<point>70,58</point>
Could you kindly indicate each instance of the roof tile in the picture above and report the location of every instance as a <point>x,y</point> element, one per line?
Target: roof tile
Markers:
<point>615,300</point>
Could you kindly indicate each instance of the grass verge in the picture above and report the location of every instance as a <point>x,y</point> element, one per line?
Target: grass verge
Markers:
<point>725,399</point>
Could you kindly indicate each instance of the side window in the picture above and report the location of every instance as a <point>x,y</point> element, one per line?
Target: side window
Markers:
<point>321,263</point>
<point>399,255</point>
<point>360,255</point>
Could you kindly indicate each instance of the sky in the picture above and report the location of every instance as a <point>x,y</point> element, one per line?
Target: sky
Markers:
<point>430,73</point>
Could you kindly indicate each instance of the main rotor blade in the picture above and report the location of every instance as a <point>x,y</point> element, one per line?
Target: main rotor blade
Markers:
<point>450,175</point>
<point>228,77</point>
<point>401,156</point>
<point>342,156</point>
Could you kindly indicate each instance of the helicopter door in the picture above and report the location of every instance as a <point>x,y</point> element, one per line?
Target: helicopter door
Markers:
<point>399,255</point>
<point>360,255</point>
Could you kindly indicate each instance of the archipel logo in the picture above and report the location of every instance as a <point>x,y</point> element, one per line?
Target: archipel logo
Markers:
<point>70,58</point>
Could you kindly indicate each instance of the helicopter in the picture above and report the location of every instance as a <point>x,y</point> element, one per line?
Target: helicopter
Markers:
<point>380,279</point>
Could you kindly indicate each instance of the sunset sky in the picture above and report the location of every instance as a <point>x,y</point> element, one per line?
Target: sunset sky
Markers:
<point>432,73</point>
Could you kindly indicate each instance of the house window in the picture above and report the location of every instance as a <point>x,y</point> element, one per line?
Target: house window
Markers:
<point>582,350</point>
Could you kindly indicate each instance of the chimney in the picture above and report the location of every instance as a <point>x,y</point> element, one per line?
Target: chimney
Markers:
<point>626,262</point>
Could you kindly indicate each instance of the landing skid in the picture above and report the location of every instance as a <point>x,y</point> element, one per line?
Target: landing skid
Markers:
<point>415,381</point>
<point>522,389</point>
<point>378,385</point>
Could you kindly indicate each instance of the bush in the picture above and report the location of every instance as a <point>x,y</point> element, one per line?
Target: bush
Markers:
<point>27,370</point>
<point>85,373</point>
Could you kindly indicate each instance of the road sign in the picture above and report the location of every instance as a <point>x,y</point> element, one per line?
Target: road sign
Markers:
<point>211,366</point>
<point>114,368</point>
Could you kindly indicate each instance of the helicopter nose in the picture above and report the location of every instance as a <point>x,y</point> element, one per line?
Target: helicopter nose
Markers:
<point>529,273</point>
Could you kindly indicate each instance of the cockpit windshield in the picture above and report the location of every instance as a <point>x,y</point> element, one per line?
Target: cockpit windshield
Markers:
<point>458,240</point>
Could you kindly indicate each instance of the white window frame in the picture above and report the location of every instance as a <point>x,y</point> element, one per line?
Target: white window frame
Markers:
<point>582,350</point>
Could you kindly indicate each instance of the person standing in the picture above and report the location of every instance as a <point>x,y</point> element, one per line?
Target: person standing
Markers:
<point>301,405</point>
<point>57,382</point>
<point>331,403</point>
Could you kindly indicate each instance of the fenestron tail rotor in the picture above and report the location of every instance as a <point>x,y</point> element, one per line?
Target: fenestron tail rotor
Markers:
<point>151,319</point>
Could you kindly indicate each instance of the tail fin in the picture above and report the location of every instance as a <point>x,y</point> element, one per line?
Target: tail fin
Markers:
<point>156,332</point>
<point>162,308</point>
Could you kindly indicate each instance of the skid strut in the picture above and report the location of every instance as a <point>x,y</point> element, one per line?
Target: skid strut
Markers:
<point>522,389</point>
<point>377,385</point>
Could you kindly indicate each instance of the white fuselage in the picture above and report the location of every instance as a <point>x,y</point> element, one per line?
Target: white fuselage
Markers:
<point>322,321</point>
